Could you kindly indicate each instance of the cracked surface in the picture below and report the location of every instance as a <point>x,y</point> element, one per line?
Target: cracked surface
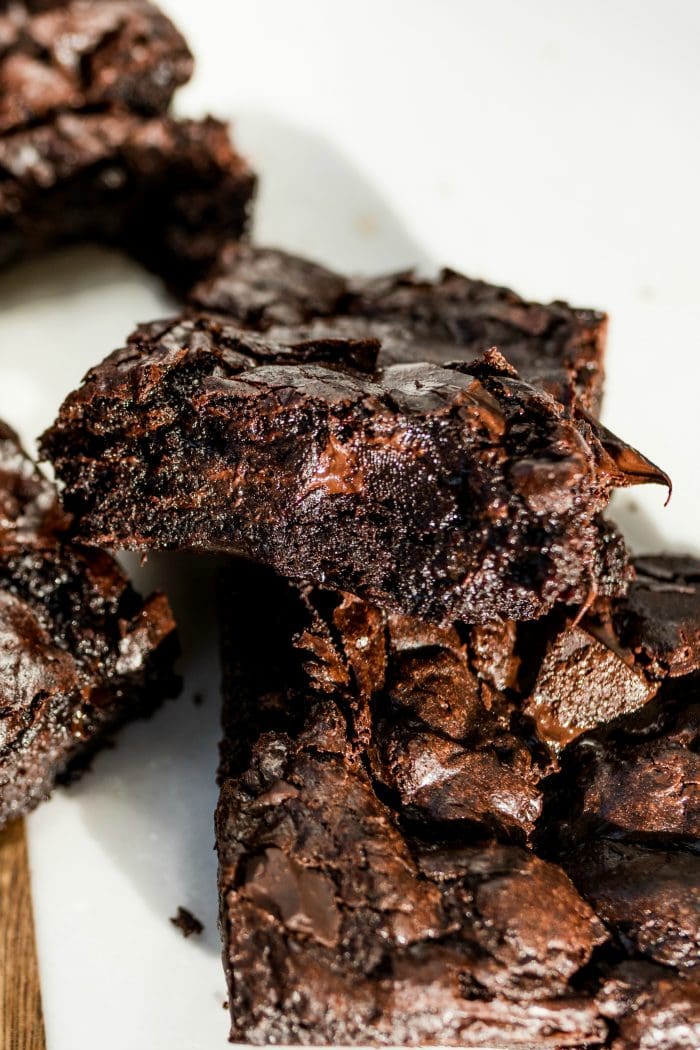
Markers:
<point>80,651</point>
<point>651,1008</point>
<point>87,54</point>
<point>638,782</point>
<point>660,620</point>
<point>649,897</point>
<point>350,916</point>
<point>449,493</point>
<point>554,346</point>
<point>382,834</point>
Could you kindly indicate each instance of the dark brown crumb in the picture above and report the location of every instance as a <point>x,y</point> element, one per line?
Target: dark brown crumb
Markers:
<point>198,699</point>
<point>186,922</point>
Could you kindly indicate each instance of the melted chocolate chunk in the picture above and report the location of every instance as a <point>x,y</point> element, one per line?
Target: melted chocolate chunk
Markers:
<point>351,915</point>
<point>581,683</point>
<point>448,493</point>
<point>614,661</point>
<point>80,652</point>
<point>555,347</point>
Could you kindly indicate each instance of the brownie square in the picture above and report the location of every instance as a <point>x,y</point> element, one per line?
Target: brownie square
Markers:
<point>394,824</point>
<point>80,651</point>
<point>448,492</point>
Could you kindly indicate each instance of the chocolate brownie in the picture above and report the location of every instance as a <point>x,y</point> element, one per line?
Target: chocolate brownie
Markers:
<point>350,915</point>
<point>453,492</point>
<point>651,1008</point>
<point>660,618</point>
<point>649,897</point>
<point>80,651</point>
<point>87,54</point>
<point>613,661</point>
<point>164,190</point>
<point>554,346</point>
<point>637,779</point>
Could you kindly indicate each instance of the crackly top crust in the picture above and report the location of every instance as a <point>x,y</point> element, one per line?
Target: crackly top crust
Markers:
<point>351,912</point>
<point>555,346</point>
<point>455,492</point>
<point>87,54</point>
<point>80,651</point>
<point>351,794</point>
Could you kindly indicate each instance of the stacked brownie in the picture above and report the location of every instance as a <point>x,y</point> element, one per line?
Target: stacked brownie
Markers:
<point>443,674</point>
<point>460,773</point>
<point>88,150</point>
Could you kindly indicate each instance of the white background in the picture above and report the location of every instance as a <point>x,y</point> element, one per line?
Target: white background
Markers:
<point>550,145</point>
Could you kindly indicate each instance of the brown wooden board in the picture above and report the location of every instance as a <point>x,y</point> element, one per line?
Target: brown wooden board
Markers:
<point>21,1020</point>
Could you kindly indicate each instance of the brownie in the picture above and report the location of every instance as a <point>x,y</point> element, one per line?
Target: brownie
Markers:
<point>80,651</point>
<point>165,191</point>
<point>554,346</point>
<point>651,1008</point>
<point>637,780</point>
<point>454,492</point>
<point>650,897</point>
<point>85,55</point>
<point>660,619</point>
<point>349,914</point>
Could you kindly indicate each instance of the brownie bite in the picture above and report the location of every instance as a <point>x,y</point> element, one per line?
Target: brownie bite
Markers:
<point>80,651</point>
<point>555,346</point>
<point>351,911</point>
<point>455,492</point>
<point>88,151</point>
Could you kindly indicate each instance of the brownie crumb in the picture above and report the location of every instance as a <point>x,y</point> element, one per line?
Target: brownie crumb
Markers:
<point>198,699</point>
<point>186,922</point>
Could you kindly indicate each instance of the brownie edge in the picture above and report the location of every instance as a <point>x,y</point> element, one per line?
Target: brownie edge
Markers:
<point>80,651</point>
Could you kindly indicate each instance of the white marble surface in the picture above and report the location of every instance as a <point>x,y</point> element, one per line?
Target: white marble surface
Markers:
<point>552,145</point>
